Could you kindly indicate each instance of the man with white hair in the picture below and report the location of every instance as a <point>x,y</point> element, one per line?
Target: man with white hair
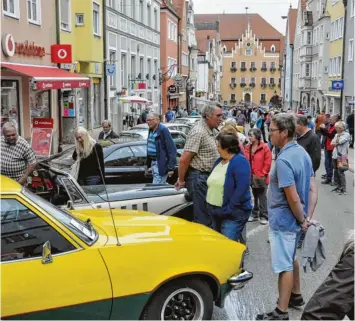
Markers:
<point>17,158</point>
<point>107,132</point>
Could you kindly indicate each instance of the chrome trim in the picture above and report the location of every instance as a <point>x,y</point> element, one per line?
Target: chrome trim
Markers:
<point>238,281</point>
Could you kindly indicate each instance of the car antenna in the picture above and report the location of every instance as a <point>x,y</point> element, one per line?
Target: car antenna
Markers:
<point>108,200</point>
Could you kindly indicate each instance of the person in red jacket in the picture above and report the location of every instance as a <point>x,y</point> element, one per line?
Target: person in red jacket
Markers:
<point>260,158</point>
<point>329,132</point>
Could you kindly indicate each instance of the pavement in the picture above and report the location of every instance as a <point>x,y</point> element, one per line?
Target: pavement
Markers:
<point>336,214</point>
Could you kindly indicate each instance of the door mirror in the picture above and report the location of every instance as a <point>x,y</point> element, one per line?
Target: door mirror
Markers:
<point>70,205</point>
<point>47,253</point>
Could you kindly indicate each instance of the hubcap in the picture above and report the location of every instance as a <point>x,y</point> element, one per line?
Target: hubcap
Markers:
<point>183,304</point>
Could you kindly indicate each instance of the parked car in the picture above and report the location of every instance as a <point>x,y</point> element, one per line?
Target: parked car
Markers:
<point>190,121</point>
<point>171,126</point>
<point>61,189</point>
<point>124,162</point>
<point>102,264</point>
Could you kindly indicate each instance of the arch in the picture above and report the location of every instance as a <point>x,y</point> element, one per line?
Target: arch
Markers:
<point>273,48</point>
<point>247,97</point>
<point>304,101</point>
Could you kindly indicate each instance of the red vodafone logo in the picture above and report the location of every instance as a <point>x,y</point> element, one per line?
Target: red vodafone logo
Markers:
<point>8,45</point>
<point>61,54</point>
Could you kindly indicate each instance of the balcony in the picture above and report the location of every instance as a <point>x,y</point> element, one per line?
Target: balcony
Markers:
<point>306,51</point>
<point>272,85</point>
<point>233,69</point>
<point>263,69</point>
<point>252,69</point>
<point>233,85</point>
<point>272,69</point>
<point>252,85</point>
<point>242,85</point>
<point>263,85</point>
<point>243,69</point>
<point>233,101</point>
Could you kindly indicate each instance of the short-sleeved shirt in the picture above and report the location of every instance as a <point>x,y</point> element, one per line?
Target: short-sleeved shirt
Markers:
<point>292,167</point>
<point>201,140</point>
<point>15,158</point>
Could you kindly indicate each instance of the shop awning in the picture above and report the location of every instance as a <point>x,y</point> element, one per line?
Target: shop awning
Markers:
<point>47,77</point>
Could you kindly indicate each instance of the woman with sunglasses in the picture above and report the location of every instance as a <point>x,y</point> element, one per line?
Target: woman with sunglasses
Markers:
<point>260,159</point>
<point>228,195</point>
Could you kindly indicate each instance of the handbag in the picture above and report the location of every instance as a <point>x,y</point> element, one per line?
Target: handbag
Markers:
<point>256,181</point>
<point>342,162</point>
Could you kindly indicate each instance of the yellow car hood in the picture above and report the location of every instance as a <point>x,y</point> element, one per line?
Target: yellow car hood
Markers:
<point>138,226</point>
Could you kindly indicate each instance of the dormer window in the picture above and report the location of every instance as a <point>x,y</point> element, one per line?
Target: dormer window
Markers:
<point>273,48</point>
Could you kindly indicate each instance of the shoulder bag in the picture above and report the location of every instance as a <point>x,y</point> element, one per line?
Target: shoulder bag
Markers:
<point>342,161</point>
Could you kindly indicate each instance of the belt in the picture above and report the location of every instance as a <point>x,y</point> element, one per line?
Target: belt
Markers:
<point>197,170</point>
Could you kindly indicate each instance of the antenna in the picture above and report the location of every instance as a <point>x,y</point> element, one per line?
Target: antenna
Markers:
<point>108,200</point>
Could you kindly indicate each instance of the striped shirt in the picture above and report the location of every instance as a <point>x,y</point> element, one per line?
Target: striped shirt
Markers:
<point>152,151</point>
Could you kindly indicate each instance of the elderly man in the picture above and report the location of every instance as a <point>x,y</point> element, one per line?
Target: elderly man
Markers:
<point>292,197</point>
<point>17,157</point>
<point>107,132</point>
<point>161,150</point>
<point>196,163</point>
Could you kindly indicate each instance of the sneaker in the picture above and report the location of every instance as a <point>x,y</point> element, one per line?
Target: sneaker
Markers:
<point>336,190</point>
<point>342,192</point>
<point>296,301</point>
<point>333,184</point>
<point>326,182</point>
<point>263,221</point>
<point>324,176</point>
<point>274,315</point>
<point>253,218</point>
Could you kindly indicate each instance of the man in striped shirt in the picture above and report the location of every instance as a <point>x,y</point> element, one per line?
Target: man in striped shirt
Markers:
<point>161,150</point>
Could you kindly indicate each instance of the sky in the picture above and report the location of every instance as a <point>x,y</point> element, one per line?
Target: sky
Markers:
<point>270,10</point>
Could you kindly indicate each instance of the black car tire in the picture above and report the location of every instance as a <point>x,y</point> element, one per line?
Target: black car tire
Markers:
<point>183,297</point>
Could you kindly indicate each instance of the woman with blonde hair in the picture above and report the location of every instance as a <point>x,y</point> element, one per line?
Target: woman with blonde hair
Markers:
<point>89,159</point>
<point>341,141</point>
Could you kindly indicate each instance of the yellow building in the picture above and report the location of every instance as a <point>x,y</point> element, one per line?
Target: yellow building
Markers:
<point>81,26</point>
<point>250,73</point>
<point>335,9</point>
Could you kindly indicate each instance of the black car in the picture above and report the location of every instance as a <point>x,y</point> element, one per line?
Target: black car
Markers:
<point>124,162</point>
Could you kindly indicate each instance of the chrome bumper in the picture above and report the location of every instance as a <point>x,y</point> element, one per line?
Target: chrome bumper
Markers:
<point>237,281</point>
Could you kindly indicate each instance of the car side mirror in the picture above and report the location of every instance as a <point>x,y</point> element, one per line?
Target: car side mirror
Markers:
<point>70,205</point>
<point>47,253</point>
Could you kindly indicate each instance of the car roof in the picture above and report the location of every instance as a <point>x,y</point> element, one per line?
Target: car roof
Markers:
<point>176,124</point>
<point>8,185</point>
<point>131,143</point>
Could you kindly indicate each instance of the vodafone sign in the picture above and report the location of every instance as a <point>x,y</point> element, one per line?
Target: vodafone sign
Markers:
<point>42,123</point>
<point>61,54</point>
<point>8,45</point>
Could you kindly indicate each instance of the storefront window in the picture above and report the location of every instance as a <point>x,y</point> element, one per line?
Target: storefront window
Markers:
<point>40,104</point>
<point>10,108</point>
<point>83,107</point>
<point>98,115</point>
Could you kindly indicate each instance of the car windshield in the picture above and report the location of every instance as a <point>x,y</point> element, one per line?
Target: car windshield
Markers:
<point>85,231</point>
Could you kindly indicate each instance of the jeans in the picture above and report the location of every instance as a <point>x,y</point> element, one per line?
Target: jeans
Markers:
<point>157,179</point>
<point>230,226</point>
<point>90,180</point>
<point>328,163</point>
<point>339,176</point>
<point>260,203</point>
<point>196,184</point>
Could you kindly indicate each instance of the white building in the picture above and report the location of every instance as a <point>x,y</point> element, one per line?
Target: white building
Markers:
<point>133,46</point>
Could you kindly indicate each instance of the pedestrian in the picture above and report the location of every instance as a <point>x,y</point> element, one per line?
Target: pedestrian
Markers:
<point>292,197</point>
<point>340,143</point>
<point>310,123</point>
<point>143,118</point>
<point>196,163</point>
<point>107,132</point>
<point>260,158</point>
<point>323,144</point>
<point>169,115</point>
<point>161,150</point>
<point>240,118</point>
<point>88,168</point>
<point>329,132</point>
<point>253,118</point>
<point>350,124</point>
<point>230,128</point>
<point>228,195</point>
<point>320,120</point>
<point>17,158</point>
<point>179,112</point>
<point>260,123</point>
<point>309,141</point>
<point>334,299</point>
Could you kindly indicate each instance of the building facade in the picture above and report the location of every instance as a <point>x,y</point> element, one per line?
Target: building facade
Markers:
<point>81,26</point>
<point>133,47</point>
<point>169,46</point>
<point>349,67</point>
<point>31,83</point>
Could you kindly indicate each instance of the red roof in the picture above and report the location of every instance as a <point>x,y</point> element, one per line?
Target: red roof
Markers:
<point>201,38</point>
<point>48,77</point>
<point>292,21</point>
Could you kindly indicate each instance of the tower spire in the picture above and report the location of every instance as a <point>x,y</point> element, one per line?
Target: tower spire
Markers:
<point>246,12</point>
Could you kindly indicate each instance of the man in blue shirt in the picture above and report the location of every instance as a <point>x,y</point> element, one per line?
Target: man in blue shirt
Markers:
<point>310,123</point>
<point>161,150</point>
<point>292,197</point>
<point>169,115</point>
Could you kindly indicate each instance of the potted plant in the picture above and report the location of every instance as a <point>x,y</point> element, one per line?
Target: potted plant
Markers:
<point>242,85</point>
<point>252,85</point>
<point>233,69</point>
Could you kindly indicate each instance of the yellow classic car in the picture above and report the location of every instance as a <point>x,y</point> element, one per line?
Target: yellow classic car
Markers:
<point>102,264</point>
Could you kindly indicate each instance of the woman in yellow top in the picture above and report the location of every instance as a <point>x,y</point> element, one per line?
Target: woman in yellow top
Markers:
<point>228,195</point>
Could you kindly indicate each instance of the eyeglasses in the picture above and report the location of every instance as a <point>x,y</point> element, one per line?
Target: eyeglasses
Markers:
<point>151,119</point>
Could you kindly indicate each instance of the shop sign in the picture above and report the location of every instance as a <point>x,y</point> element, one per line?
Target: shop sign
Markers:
<point>10,47</point>
<point>67,84</point>
<point>337,84</point>
<point>110,70</point>
<point>61,54</point>
<point>172,89</point>
<point>43,123</point>
<point>41,141</point>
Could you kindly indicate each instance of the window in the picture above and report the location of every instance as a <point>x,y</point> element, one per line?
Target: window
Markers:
<point>233,80</point>
<point>263,97</point>
<point>252,64</point>
<point>272,48</point>
<point>309,38</point>
<point>133,67</point>
<point>123,70</point>
<point>233,64</point>
<point>155,19</point>
<point>272,65</point>
<point>351,50</point>
<point>263,80</point>
<point>140,152</point>
<point>248,52</point>
<point>352,8</point>
<point>141,67</point>
<point>149,16</point>
<point>98,108</point>
<point>243,65</point>
<point>242,80</point>
<point>112,61</point>
<point>133,9</point>
<point>111,3</point>
<point>263,65</point>
<point>10,107</point>
<point>65,21</point>
<point>149,63</point>
<point>336,29</point>
<point>252,80</point>
<point>96,18</point>
<point>307,70</point>
<point>233,97</point>
<point>120,157</point>
<point>23,233</point>
<point>79,19</point>
<point>141,11</point>
<point>34,11</point>
<point>156,74</point>
<point>123,6</point>
<point>272,81</point>
<point>321,35</point>
<point>11,8</point>
<point>339,66</point>
<point>341,26</point>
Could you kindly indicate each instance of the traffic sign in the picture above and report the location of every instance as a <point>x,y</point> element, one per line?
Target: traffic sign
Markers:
<point>337,84</point>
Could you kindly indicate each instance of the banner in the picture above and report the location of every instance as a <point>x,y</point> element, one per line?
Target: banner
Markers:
<point>41,141</point>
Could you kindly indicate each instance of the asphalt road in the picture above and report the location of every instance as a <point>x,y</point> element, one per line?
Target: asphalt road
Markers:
<point>336,214</point>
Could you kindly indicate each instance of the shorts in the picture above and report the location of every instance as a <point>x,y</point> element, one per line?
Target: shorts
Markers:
<point>283,246</point>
